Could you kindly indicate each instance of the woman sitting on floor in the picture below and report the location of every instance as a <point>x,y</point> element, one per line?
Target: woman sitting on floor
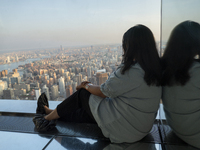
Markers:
<point>181,80</point>
<point>125,106</point>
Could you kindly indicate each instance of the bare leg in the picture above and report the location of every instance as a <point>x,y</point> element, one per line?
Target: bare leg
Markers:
<point>53,115</point>
<point>47,110</point>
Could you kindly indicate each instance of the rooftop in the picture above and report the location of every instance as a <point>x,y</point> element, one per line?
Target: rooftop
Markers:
<point>17,132</point>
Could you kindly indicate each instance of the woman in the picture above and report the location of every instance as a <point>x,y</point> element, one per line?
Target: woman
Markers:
<point>125,106</point>
<point>181,80</point>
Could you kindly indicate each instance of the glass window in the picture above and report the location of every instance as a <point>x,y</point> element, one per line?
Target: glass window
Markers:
<point>54,45</point>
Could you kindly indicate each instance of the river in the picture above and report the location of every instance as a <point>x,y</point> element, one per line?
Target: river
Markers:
<point>14,65</point>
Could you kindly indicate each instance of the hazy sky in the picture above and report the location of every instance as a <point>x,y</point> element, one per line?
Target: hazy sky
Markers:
<point>27,24</point>
<point>177,11</point>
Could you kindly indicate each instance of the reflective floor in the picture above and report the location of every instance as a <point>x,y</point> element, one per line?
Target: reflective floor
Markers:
<point>23,141</point>
<point>17,132</point>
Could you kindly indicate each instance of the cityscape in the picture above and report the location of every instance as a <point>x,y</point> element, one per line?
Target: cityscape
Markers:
<point>56,72</point>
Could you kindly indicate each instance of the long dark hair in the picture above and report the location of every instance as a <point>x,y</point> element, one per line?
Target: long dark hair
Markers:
<point>139,45</point>
<point>182,46</point>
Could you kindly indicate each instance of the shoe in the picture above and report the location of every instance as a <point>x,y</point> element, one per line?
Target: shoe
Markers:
<point>43,125</point>
<point>42,101</point>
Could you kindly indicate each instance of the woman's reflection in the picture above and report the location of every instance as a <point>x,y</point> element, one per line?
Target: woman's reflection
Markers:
<point>77,144</point>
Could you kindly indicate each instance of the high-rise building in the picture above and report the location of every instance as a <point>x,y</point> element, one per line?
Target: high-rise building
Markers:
<point>3,86</point>
<point>62,87</point>
<point>8,94</point>
<point>16,80</point>
<point>66,74</point>
<point>79,78</point>
<point>74,85</point>
<point>101,78</point>
<point>8,59</point>
<point>51,81</point>
<point>22,86</point>
<point>45,89</point>
<point>69,90</point>
<point>5,79</point>
<point>77,70</point>
<point>68,79</point>
<point>19,92</point>
<point>37,93</point>
<point>89,72</point>
<point>61,71</point>
<point>54,92</point>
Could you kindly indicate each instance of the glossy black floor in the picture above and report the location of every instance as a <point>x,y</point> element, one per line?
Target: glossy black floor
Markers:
<point>17,132</point>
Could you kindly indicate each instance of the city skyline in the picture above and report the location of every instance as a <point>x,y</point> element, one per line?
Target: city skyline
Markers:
<point>57,72</point>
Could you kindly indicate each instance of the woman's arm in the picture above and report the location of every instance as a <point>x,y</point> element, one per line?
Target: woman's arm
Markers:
<point>93,89</point>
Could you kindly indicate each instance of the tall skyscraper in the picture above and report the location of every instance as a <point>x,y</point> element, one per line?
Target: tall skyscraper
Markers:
<point>16,80</point>
<point>62,87</point>
<point>89,72</point>
<point>69,90</point>
<point>51,81</point>
<point>101,78</point>
<point>3,86</point>
<point>74,85</point>
<point>79,78</point>
<point>8,59</point>
<point>54,92</point>
<point>37,93</point>
<point>61,71</point>
<point>46,90</point>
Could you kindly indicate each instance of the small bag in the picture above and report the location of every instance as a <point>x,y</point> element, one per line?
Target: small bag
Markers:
<point>43,125</point>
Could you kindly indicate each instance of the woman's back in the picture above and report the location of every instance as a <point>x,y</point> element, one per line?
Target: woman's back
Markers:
<point>181,82</point>
<point>182,107</point>
<point>129,112</point>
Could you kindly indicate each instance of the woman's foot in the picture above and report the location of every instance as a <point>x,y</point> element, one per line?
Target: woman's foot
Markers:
<point>53,115</point>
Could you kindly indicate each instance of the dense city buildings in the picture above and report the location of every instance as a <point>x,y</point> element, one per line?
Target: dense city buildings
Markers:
<point>58,73</point>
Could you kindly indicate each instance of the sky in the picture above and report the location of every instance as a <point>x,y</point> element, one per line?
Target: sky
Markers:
<point>31,24</point>
<point>177,11</point>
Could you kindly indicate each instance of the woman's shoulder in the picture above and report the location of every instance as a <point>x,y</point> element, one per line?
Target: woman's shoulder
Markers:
<point>135,70</point>
<point>134,66</point>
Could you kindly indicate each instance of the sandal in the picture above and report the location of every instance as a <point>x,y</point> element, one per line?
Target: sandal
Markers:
<point>42,101</point>
<point>43,125</point>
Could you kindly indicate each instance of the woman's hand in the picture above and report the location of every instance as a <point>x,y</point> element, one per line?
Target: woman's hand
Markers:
<point>82,85</point>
